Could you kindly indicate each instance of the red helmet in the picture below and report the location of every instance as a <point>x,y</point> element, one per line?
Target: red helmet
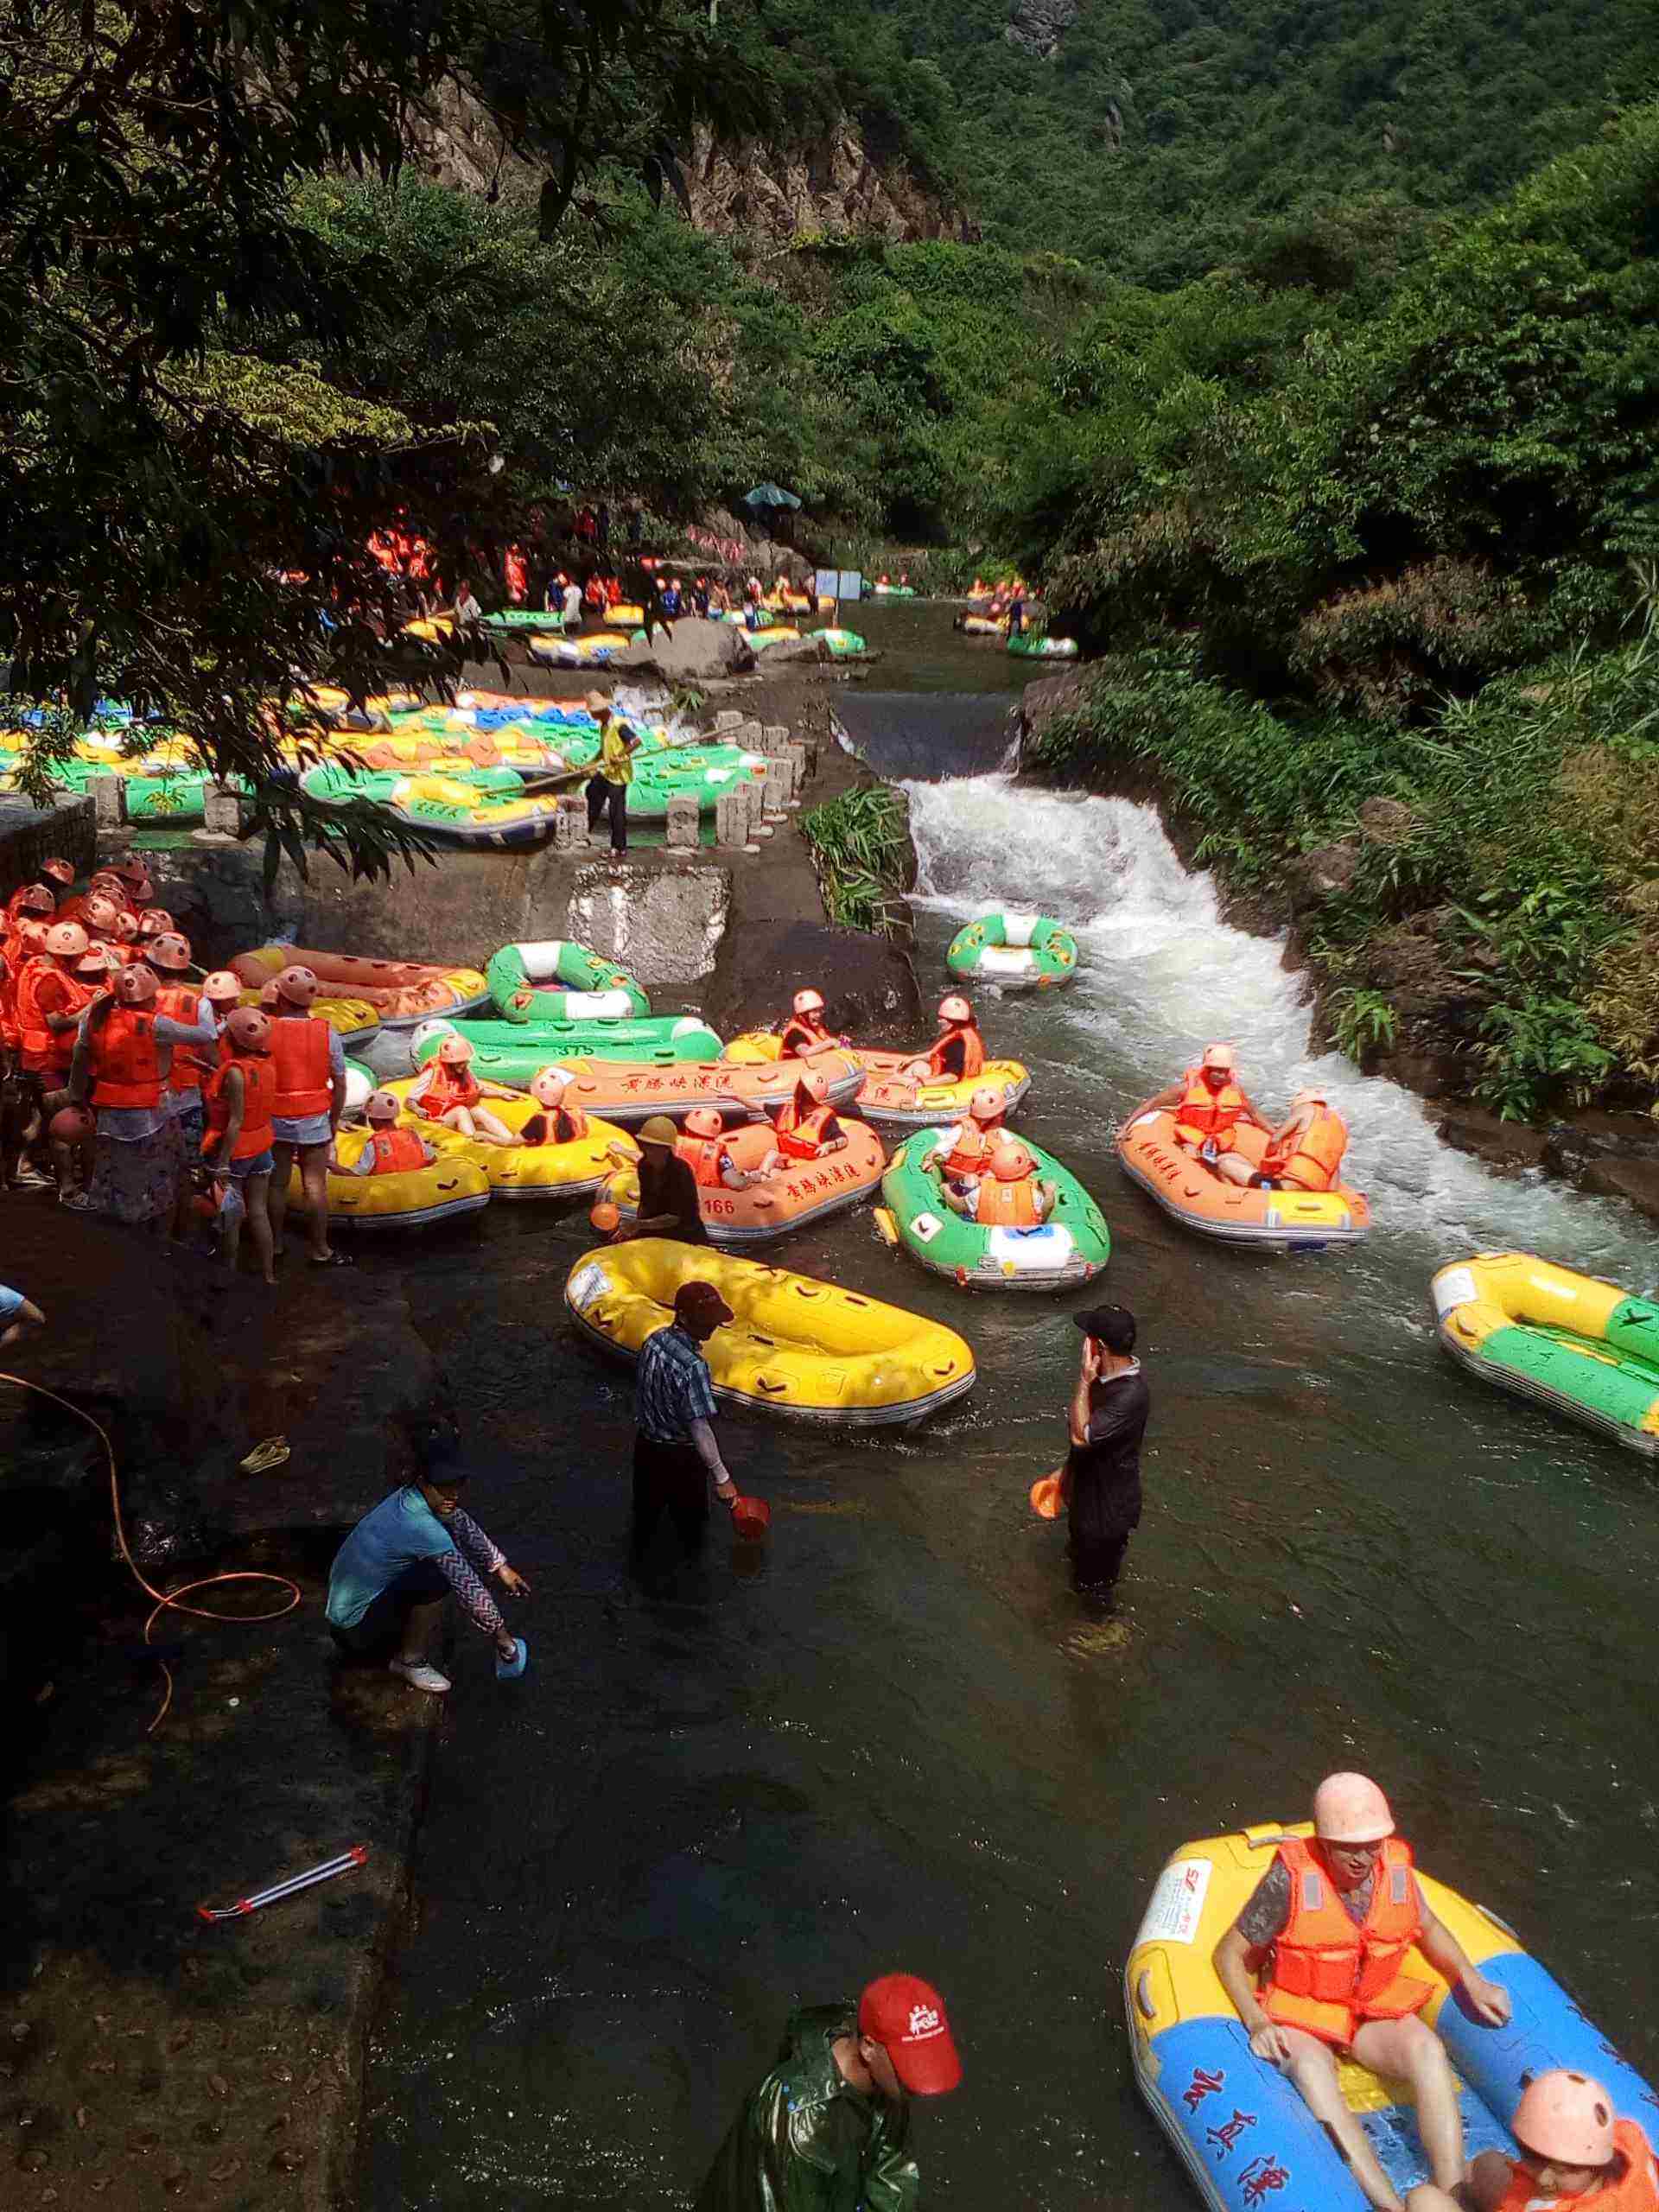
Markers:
<point>101,912</point>
<point>67,940</point>
<point>457,1051</point>
<point>136,985</point>
<point>809,1002</point>
<point>815,1082</point>
<point>169,950</point>
<point>130,870</point>
<point>382,1106</point>
<point>93,965</point>
<point>1567,2118</point>
<point>955,1008</point>
<point>703,1122</point>
<point>248,1029</point>
<point>222,988</point>
<point>141,893</point>
<point>297,986</point>
<point>1350,1808</point>
<point>34,899</point>
<point>126,925</point>
<point>70,1124</point>
<point>106,879</point>
<point>57,870</point>
<point>154,920</point>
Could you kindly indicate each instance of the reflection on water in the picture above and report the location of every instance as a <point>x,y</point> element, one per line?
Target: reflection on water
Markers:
<point>904,1741</point>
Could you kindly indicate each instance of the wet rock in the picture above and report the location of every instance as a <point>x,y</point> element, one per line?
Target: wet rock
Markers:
<point>1386,822</point>
<point>1048,696</point>
<point>1511,1146</point>
<point>1322,873</point>
<point>1572,1148</point>
<point>1634,1180</point>
<point>691,648</point>
<point>869,986</point>
<point>663,925</point>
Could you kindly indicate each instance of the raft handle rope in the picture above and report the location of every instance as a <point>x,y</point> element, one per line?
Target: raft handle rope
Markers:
<point>165,1600</point>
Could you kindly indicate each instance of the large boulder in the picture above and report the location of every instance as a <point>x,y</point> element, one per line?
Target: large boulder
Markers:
<point>1322,873</point>
<point>868,985</point>
<point>688,648</point>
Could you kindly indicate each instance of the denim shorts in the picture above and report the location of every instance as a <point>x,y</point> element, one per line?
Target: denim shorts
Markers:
<point>256,1163</point>
<point>300,1128</point>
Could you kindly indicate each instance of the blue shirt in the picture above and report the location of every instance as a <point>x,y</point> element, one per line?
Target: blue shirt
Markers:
<point>674,1387</point>
<point>401,1529</point>
<point>11,1301</point>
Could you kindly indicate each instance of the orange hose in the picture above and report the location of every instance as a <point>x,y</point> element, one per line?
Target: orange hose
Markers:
<point>165,1600</point>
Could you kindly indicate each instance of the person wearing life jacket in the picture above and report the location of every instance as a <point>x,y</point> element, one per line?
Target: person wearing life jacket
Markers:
<point>957,1053</point>
<point>1007,1193</point>
<point>103,883</point>
<point>169,953</point>
<point>703,1148</point>
<point>805,1124</point>
<point>1304,1152</point>
<point>804,1035</point>
<point>50,998</point>
<point>448,1091</point>
<point>963,1157</point>
<point>309,1062</point>
<point>154,921</point>
<point>98,916</point>
<point>390,1150</point>
<point>1576,2155</point>
<point>240,1102</point>
<point>555,1121</point>
<point>133,876</point>
<point>57,876</point>
<point>517,569</point>
<point>222,989</point>
<point>122,1057</point>
<point>1332,1925</point>
<point>1208,1104</point>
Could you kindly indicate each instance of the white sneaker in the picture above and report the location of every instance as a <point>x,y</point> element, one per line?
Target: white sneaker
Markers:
<point>421,1676</point>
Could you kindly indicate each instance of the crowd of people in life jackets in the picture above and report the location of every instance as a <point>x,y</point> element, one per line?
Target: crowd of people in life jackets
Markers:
<point>1303,1153</point>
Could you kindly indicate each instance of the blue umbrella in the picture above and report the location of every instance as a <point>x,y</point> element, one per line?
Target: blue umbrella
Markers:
<point>770,495</point>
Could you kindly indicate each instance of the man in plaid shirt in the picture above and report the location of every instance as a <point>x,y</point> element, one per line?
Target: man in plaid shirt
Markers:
<point>675,1451</point>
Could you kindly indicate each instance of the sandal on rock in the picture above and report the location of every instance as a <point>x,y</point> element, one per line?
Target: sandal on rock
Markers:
<point>330,1258</point>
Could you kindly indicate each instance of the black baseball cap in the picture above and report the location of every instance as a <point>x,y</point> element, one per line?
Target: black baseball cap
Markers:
<point>1111,1325</point>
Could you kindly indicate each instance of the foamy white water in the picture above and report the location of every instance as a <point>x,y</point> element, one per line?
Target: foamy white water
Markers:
<point>1160,974</point>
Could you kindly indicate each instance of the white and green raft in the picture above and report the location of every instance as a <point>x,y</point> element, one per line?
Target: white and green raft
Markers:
<point>557,981</point>
<point>839,644</point>
<point>1066,1251</point>
<point>505,1052</point>
<point>1016,951</point>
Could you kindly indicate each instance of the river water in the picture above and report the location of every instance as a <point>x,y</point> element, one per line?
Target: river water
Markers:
<point>905,1740</point>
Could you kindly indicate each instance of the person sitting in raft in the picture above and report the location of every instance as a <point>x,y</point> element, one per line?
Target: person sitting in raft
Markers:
<point>958,1051</point>
<point>1304,1152</point>
<point>1573,2151</point>
<point>705,1152</point>
<point>390,1150</point>
<point>806,1125</point>
<point>448,1091</point>
<point>1208,1106</point>
<point>960,1159</point>
<point>555,1123</point>
<point>667,1190</point>
<point>1333,1920</point>
<point>803,1034</point>
<point>1007,1194</point>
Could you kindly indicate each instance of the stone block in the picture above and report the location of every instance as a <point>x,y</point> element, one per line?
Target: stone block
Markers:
<point>774,792</point>
<point>570,822</point>
<point>221,810</point>
<point>774,737</point>
<point>745,734</point>
<point>732,818</point>
<point>683,813</point>
<point>109,798</point>
<point>729,718</point>
<point>797,758</point>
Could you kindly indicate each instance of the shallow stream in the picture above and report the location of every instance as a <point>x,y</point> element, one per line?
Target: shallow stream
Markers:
<point>905,1741</point>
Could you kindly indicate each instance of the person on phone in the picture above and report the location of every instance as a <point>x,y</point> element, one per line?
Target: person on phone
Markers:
<point>1100,1482</point>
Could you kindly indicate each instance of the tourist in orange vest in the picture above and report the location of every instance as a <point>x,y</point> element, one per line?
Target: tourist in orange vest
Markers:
<point>99,917</point>
<point>806,1126</point>
<point>1574,2152</point>
<point>556,1122</point>
<point>155,922</point>
<point>309,1062</point>
<point>1331,1922</point>
<point>958,1051</point>
<point>1304,1152</point>
<point>1006,1194</point>
<point>239,1099</point>
<point>517,569</point>
<point>120,1068</point>
<point>706,1152</point>
<point>49,998</point>
<point>170,954</point>
<point>963,1156</point>
<point>1208,1105</point>
<point>804,1035</point>
<point>448,1091</point>
<point>390,1150</point>
<point>30,912</point>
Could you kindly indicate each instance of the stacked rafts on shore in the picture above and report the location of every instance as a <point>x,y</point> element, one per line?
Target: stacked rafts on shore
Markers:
<point>400,992</point>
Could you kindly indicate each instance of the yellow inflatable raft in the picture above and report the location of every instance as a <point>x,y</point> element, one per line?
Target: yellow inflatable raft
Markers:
<point>796,1346</point>
<point>887,1094</point>
<point>354,1020</point>
<point>415,1198</point>
<point>801,1191</point>
<point>533,1171</point>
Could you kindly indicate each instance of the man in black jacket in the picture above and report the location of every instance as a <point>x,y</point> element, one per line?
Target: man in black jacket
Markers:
<point>1100,1482</point>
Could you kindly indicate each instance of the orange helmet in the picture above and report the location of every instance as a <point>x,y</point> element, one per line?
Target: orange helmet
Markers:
<point>248,1029</point>
<point>136,985</point>
<point>141,893</point>
<point>104,879</point>
<point>67,940</point>
<point>154,920</point>
<point>34,899</point>
<point>703,1122</point>
<point>270,996</point>
<point>1350,1808</point>
<point>57,870</point>
<point>986,1105</point>
<point>1566,2117</point>
<point>457,1051</point>
<point>169,950</point>
<point>955,1008</point>
<point>548,1085</point>
<point>222,988</point>
<point>809,1002</point>
<point>100,913</point>
<point>297,986</point>
<point>129,869</point>
<point>126,925</point>
<point>93,965</point>
<point>814,1083</point>
<point>381,1106</point>
<point>1011,1162</point>
<point>70,1124</point>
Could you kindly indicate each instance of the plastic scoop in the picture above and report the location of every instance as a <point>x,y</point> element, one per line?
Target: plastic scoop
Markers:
<point>1045,1498</point>
<point>751,1518</point>
<point>604,1215</point>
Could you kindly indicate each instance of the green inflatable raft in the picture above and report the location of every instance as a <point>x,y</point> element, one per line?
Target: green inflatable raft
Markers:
<point>1069,1248</point>
<point>1016,951</point>
<point>839,644</point>
<point>1043,648</point>
<point>517,618</point>
<point>505,1053</point>
<point>473,806</point>
<point>557,981</point>
<point>699,771</point>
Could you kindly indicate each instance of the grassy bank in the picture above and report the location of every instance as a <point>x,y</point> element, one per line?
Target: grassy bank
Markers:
<point>860,847</point>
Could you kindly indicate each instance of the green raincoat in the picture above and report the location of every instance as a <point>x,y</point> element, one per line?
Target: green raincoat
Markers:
<point>807,2141</point>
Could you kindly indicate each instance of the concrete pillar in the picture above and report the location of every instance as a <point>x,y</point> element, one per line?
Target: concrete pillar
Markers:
<point>796,756</point>
<point>731,819</point>
<point>775,791</point>
<point>774,738</point>
<point>221,809</point>
<point>682,825</point>
<point>729,718</point>
<point>570,822</point>
<point>109,797</point>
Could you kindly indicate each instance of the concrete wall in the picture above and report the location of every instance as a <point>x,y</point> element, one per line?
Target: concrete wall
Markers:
<point>29,835</point>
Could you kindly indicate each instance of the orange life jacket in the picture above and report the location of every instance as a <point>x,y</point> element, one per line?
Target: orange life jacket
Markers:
<point>126,1059</point>
<point>802,1030</point>
<point>1205,1116</point>
<point>801,1137</point>
<point>182,1002</point>
<point>44,1048</point>
<point>968,1150</point>
<point>450,1087</point>
<point>973,1055</point>
<point>703,1156</point>
<point>565,1125</point>
<point>1312,1160</point>
<point>299,1053</point>
<point>1632,2183</point>
<point>395,1151</point>
<point>1008,1205</point>
<point>259,1103</point>
<point>1327,1974</point>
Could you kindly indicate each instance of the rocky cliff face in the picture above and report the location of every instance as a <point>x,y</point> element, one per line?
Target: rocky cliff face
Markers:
<point>827,185</point>
<point>1037,25</point>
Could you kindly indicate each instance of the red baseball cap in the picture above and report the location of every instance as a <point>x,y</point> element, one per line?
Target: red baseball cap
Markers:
<point>906,2016</point>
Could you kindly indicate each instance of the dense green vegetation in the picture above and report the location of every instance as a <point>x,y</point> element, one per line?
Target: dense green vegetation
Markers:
<point>860,847</point>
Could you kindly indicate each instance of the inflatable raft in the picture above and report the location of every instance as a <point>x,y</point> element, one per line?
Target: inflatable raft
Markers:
<point>981,625</point>
<point>1247,2139</point>
<point>887,1094</point>
<point>510,621</point>
<point>476,806</point>
<point>556,980</point>
<point>597,652</point>
<point>839,644</point>
<point>1064,1251</point>
<point>567,1172</point>
<point>399,992</point>
<point>699,771</point>
<point>416,1198</point>
<point>1282,1221</point>
<point>506,1051</point>
<point>803,1191</point>
<point>1043,648</point>
<point>773,633</point>
<point>893,591</point>
<point>623,1091</point>
<point>795,1346</point>
<point>1015,951</point>
<point>1580,1347</point>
